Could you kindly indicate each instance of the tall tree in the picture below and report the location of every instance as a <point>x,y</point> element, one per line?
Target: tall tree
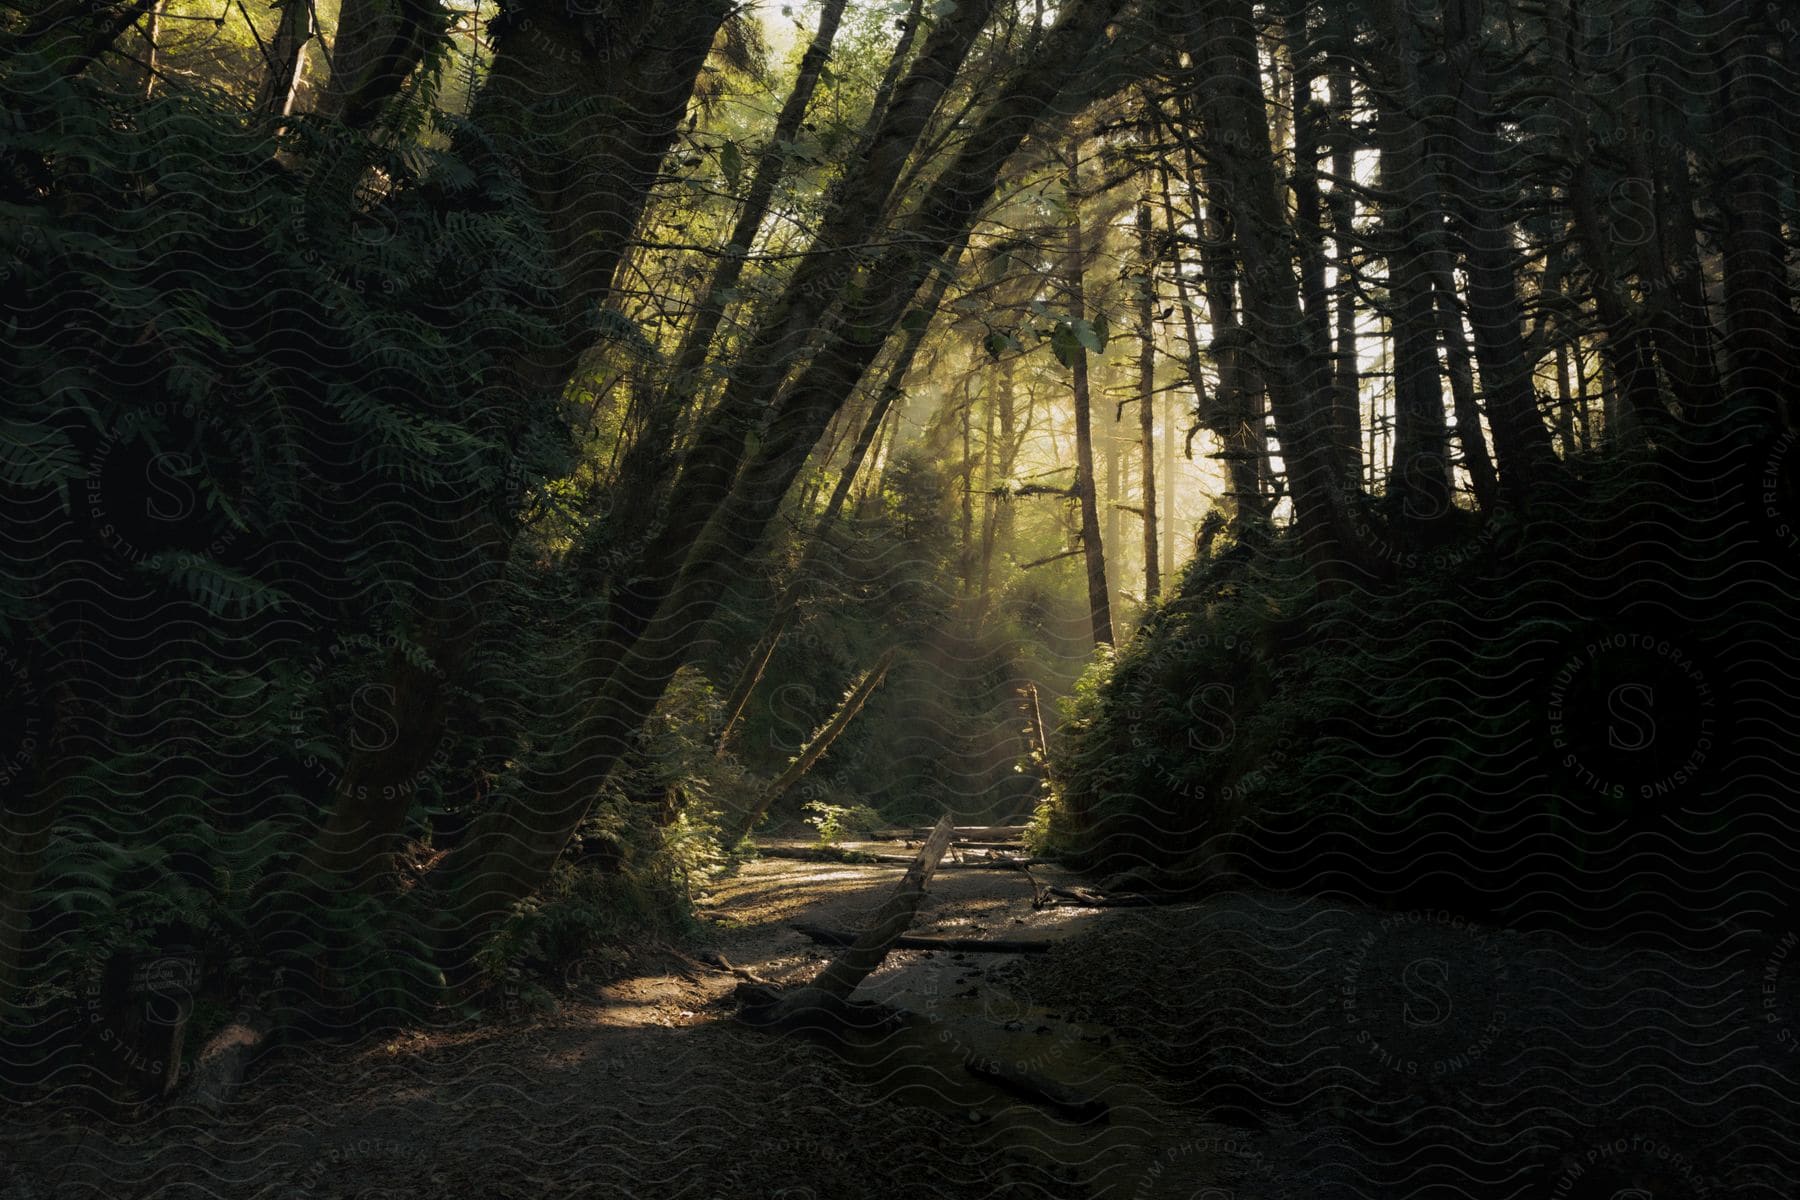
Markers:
<point>1073,351</point>
<point>508,857</point>
<point>1489,252</point>
<point>1147,396</point>
<point>1295,372</point>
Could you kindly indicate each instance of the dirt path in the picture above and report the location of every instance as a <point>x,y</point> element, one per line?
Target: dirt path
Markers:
<point>1251,1046</point>
<point>641,1083</point>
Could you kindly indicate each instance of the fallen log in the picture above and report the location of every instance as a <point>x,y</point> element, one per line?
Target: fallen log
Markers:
<point>998,863</point>
<point>825,997</point>
<point>843,937</point>
<point>855,858</point>
<point>1012,833</point>
<point>867,952</point>
<point>831,854</point>
<point>1087,898</point>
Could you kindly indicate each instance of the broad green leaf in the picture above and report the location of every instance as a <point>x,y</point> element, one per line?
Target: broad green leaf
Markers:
<point>1089,337</point>
<point>731,161</point>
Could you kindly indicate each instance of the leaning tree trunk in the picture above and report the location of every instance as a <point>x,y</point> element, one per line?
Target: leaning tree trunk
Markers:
<point>588,126</point>
<point>590,178</point>
<point>152,31</point>
<point>508,857</point>
<point>790,324</point>
<point>770,167</point>
<point>649,456</point>
<point>816,748</point>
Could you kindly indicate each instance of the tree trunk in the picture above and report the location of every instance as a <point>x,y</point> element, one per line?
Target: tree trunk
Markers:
<point>588,127</point>
<point>1230,414</point>
<point>891,390</point>
<point>893,919</point>
<point>1346,369</point>
<point>1760,324</point>
<point>1009,449</point>
<point>770,168</point>
<point>1297,377</point>
<point>1147,401</point>
<point>380,42</point>
<point>540,93</point>
<point>827,936</point>
<point>1093,549</point>
<point>152,31</point>
<point>989,513</point>
<point>1469,436</point>
<point>1419,483</point>
<point>966,559</point>
<point>815,749</point>
<point>1309,227</point>
<point>287,58</point>
<point>712,462</point>
<point>508,856</point>
<point>1521,441</point>
<point>1171,426</point>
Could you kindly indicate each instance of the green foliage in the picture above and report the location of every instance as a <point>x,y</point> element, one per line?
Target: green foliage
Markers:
<point>243,422</point>
<point>838,822</point>
<point>1417,724</point>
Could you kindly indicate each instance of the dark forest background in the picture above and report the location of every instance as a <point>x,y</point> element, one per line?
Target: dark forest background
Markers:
<point>464,466</point>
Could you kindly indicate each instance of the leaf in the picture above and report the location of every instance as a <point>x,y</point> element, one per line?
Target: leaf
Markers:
<point>731,161</point>
<point>1066,344</point>
<point>1089,337</point>
<point>915,320</point>
<point>996,344</point>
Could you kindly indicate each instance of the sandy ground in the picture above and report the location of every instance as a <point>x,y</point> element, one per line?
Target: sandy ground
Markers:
<point>1250,1047</point>
<point>641,1083</point>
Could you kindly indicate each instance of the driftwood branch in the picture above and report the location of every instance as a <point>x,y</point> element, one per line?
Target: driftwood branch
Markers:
<point>896,916</point>
<point>827,997</point>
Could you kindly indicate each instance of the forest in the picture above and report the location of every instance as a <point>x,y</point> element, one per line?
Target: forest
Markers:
<point>942,598</point>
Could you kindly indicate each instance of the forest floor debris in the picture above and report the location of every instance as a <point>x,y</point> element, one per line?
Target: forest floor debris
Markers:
<point>1246,1041</point>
